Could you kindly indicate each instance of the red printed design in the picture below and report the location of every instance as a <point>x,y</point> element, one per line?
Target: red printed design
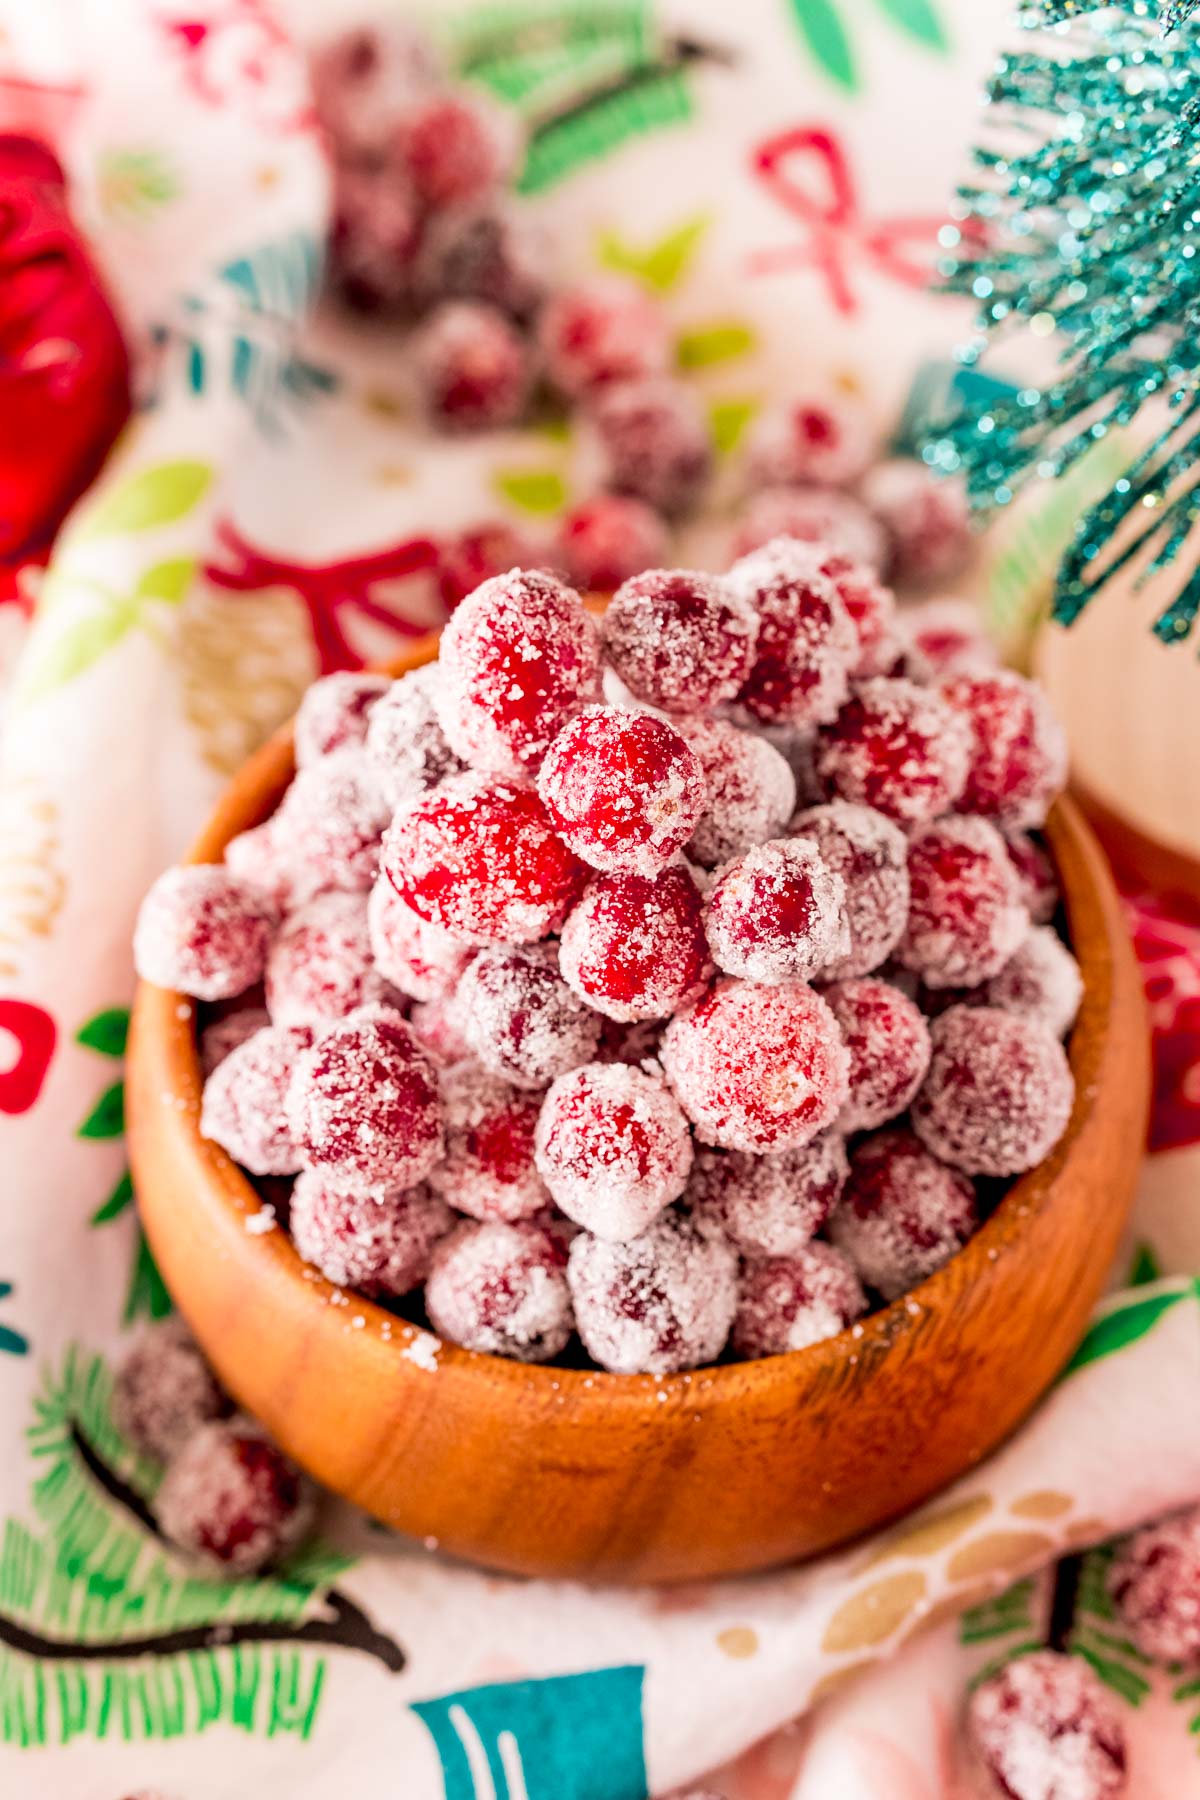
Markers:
<point>1166,937</point>
<point>35,1035</point>
<point>237,55</point>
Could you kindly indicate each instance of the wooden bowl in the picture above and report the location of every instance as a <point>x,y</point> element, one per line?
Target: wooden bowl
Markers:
<point>563,1472</point>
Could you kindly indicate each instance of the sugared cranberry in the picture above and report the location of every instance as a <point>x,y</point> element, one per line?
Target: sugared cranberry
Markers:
<point>788,1302</point>
<point>222,1036</point>
<point>502,1289</point>
<point>378,1244</point>
<point>681,640</point>
<point>364,1105</point>
<point>334,713</point>
<point>658,1303</point>
<point>521,1018</point>
<point>965,917</point>
<point>998,1093</point>
<point>489,1171</point>
<point>819,437</point>
<point>613,1148</point>
<point>418,958</point>
<point>777,914</point>
<point>622,789</point>
<point>469,558</point>
<point>329,823</point>
<point>485,251</point>
<point>363,78</point>
<point>634,946</point>
<point>813,515</point>
<point>204,932</point>
<point>898,748</point>
<point>888,1041</point>
<point>807,643</point>
<point>480,858</point>
<point>770,1205</point>
<point>606,541</point>
<point>406,746</point>
<point>948,636</point>
<point>1154,1581</point>
<point>376,235</point>
<point>437,1026</point>
<point>1041,979</point>
<point>1035,872</point>
<point>871,606</point>
<point>761,1069</point>
<point>902,1213</point>
<point>471,367</point>
<point>164,1390</point>
<point>243,1106</point>
<point>456,143</point>
<point>233,1500</point>
<point>1043,1728</point>
<point>321,966</point>
<point>259,857</point>
<point>655,441</point>
<point>517,658</point>
<point>602,331</point>
<point>925,517</point>
<point>870,854</point>
<point>1018,760</point>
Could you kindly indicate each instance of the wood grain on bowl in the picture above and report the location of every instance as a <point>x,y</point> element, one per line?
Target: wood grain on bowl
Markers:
<point>563,1472</point>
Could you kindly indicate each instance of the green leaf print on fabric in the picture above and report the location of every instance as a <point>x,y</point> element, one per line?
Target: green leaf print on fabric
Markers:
<point>537,491</point>
<point>825,35</point>
<point>78,647</point>
<point>1125,1323</point>
<point>661,265</point>
<point>728,419</point>
<point>1145,1268</point>
<point>134,184</point>
<point>703,345</point>
<point>117,1202</point>
<point>167,581</point>
<point>107,1117</point>
<point>919,18</point>
<point>106,1032</point>
<point>156,496</point>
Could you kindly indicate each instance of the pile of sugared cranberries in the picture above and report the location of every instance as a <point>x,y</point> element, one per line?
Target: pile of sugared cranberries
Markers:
<point>594,1013</point>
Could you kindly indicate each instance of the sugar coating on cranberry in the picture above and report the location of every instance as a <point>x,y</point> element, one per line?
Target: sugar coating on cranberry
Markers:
<point>1018,759</point>
<point>521,1018</point>
<point>164,1390</point>
<point>517,658</point>
<point>680,640</point>
<point>484,250</point>
<point>613,1148</point>
<point>456,143</point>
<point>998,1093</point>
<point>870,854</point>
<point>788,1302</point>
<point>1044,1728</point>
<point>622,789</point>
<point>364,77</point>
<point>761,1069</point>
<point>817,437</point>
<point>602,331</point>
<point>813,515</point>
<point>204,932</point>
<point>420,959</point>
<point>902,1213</point>
<point>330,821</point>
<point>925,517</point>
<point>1154,1581</point>
<point>257,856</point>
<point>965,915</point>
<point>376,235</point>
<point>634,946</point>
<point>471,367</point>
<point>655,441</point>
<point>1041,979</point>
<point>948,636</point>
<point>770,1205</point>
<point>898,748</point>
<point>378,1244</point>
<point>221,1036</point>
<point>233,1500</point>
<point>364,1104</point>
<point>481,859</point>
<point>489,1171</point>
<point>406,746</point>
<point>871,606</point>
<point>502,1289</point>
<point>777,914</point>
<point>888,1041</point>
<point>321,966</point>
<point>751,790</point>
<point>807,642</point>
<point>1035,873</point>
<point>607,540</point>
<point>437,1026</point>
<point>656,1303</point>
<point>243,1108</point>
<point>334,713</point>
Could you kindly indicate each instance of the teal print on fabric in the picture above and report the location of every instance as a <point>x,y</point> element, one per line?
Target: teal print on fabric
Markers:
<point>13,1342</point>
<point>568,1737</point>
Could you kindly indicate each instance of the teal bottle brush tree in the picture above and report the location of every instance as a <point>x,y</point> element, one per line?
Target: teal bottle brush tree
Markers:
<point>1081,225</point>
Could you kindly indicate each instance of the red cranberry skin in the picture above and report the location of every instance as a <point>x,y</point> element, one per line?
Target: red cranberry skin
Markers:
<point>813,515</point>
<point>602,331</point>
<point>680,640</point>
<point>622,790</point>
<point>232,1500</point>
<point>419,959</point>
<point>203,932</point>
<point>870,854</point>
<point>320,966</point>
<point>661,1302</point>
<point>948,637</point>
<point>925,517</point>
<point>243,1107</point>
<point>825,438</point>
<point>871,605</point>
<point>376,236</point>
<point>998,1094</point>
<point>502,1289</point>
<point>481,859</point>
<point>334,713</point>
<point>471,367</point>
<point>455,145</point>
<point>164,1390</point>
<point>1018,760</point>
<point>759,1069</point>
<point>364,1105</point>
<point>489,1170</point>
<point>751,791</point>
<point>897,748</point>
<point>1035,873</point>
<point>1154,1581</point>
<point>259,858</point>
<point>634,947</point>
<point>655,441</point>
<point>965,917</point>
<point>329,824</point>
<point>613,1148</point>
<point>902,1213</point>
<point>777,914</point>
<point>1041,979</point>
<point>472,557</point>
<point>521,1019</point>
<point>1043,1728</point>
<point>770,1205</point>
<point>379,1245</point>
<point>437,1027</point>
<point>608,540</point>
<point>807,642</point>
<point>405,744</point>
<point>789,1302</point>
<point>888,1041</point>
<point>518,657</point>
<point>487,250</point>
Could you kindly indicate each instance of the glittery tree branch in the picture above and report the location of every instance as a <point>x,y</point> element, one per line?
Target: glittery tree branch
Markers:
<point>1086,215</point>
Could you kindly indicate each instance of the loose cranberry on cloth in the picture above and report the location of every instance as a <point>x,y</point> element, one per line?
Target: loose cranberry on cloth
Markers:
<point>1044,1728</point>
<point>502,1288</point>
<point>164,1390</point>
<point>602,331</point>
<point>788,1302</point>
<point>606,541</point>
<point>471,367</point>
<point>660,1302</point>
<point>489,250</point>
<point>232,1500</point>
<point>1154,1582</point>
<point>622,789</point>
<point>655,443</point>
